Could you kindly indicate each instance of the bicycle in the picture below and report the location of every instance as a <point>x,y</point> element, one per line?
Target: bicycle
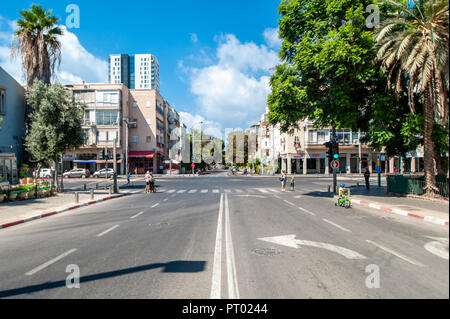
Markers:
<point>344,200</point>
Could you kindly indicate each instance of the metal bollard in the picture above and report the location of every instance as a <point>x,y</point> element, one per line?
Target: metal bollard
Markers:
<point>357,184</point>
<point>329,188</point>
<point>110,190</point>
<point>92,194</point>
<point>84,186</point>
<point>77,197</point>
<point>96,186</point>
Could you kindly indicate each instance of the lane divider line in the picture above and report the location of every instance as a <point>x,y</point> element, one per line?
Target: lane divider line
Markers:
<point>48,263</point>
<point>217,263</point>
<point>138,214</point>
<point>336,225</point>
<point>107,231</point>
<point>233,289</point>
<point>155,205</point>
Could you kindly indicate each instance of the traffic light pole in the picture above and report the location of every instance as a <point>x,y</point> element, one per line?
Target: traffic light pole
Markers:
<point>334,181</point>
<point>115,167</point>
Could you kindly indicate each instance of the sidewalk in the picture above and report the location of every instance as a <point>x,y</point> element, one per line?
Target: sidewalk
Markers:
<point>434,211</point>
<point>18,212</point>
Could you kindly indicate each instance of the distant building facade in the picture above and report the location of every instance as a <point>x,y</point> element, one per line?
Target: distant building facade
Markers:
<point>12,127</point>
<point>139,71</point>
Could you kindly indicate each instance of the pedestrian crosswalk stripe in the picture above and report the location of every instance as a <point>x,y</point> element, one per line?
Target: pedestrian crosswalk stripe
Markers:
<point>171,191</point>
<point>262,190</point>
<point>238,190</point>
<point>215,190</point>
<point>227,191</point>
<point>274,190</point>
<point>192,191</point>
<point>181,191</point>
<point>204,191</point>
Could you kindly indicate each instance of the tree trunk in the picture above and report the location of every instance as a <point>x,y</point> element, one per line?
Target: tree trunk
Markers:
<point>430,189</point>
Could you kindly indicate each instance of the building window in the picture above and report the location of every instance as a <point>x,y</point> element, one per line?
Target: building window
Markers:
<point>134,139</point>
<point>2,101</point>
<point>148,139</point>
<point>107,117</point>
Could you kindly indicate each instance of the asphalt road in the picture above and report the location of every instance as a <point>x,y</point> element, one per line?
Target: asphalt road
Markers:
<point>225,237</point>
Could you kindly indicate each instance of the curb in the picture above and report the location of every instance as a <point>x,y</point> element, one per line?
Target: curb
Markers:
<point>28,219</point>
<point>401,212</point>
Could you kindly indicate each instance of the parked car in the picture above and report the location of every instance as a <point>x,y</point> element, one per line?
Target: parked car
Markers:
<point>77,172</point>
<point>103,172</point>
<point>44,173</point>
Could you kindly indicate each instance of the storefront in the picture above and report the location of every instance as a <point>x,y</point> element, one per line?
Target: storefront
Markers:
<point>141,161</point>
<point>8,168</point>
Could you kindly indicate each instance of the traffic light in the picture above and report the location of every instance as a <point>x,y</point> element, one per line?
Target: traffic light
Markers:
<point>335,151</point>
<point>329,147</point>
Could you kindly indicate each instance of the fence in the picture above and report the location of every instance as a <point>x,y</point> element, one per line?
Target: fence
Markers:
<point>414,185</point>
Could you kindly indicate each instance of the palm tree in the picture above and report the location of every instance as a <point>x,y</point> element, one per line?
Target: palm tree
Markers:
<point>412,45</point>
<point>35,41</point>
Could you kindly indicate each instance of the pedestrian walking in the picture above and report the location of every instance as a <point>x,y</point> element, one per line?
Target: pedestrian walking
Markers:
<point>152,183</point>
<point>366,177</point>
<point>147,182</point>
<point>128,178</point>
<point>283,179</point>
<point>292,183</point>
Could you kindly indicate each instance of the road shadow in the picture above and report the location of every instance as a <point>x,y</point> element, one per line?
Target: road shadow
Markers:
<point>178,266</point>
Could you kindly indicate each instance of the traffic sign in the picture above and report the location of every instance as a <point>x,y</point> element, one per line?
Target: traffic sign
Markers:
<point>335,164</point>
<point>378,169</point>
<point>334,139</point>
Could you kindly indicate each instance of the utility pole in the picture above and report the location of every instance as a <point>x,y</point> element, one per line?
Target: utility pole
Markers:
<point>333,141</point>
<point>359,149</point>
<point>115,166</point>
<point>273,149</point>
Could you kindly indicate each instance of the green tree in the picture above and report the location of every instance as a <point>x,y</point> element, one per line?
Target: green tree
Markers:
<point>56,123</point>
<point>413,43</point>
<point>327,73</point>
<point>36,43</point>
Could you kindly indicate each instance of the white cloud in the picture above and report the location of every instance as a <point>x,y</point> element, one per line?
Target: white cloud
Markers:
<point>77,64</point>
<point>234,90</point>
<point>195,121</point>
<point>194,37</point>
<point>271,37</point>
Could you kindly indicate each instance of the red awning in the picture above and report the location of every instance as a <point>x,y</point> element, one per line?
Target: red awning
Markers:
<point>141,154</point>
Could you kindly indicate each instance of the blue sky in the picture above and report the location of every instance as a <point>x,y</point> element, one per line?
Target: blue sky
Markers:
<point>215,56</point>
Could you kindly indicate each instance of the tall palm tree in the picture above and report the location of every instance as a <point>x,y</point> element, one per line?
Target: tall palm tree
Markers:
<point>412,44</point>
<point>36,42</point>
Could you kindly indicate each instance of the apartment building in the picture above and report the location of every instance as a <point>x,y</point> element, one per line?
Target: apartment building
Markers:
<point>106,106</point>
<point>301,151</point>
<point>12,126</point>
<point>148,146</point>
<point>139,71</point>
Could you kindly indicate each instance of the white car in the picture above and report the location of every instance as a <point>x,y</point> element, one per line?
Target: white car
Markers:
<point>45,173</point>
<point>102,173</point>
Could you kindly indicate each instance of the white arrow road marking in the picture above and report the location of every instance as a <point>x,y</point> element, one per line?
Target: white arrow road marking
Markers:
<point>48,263</point>
<point>438,247</point>
<point>290,241</point>
<point>411,261</point>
